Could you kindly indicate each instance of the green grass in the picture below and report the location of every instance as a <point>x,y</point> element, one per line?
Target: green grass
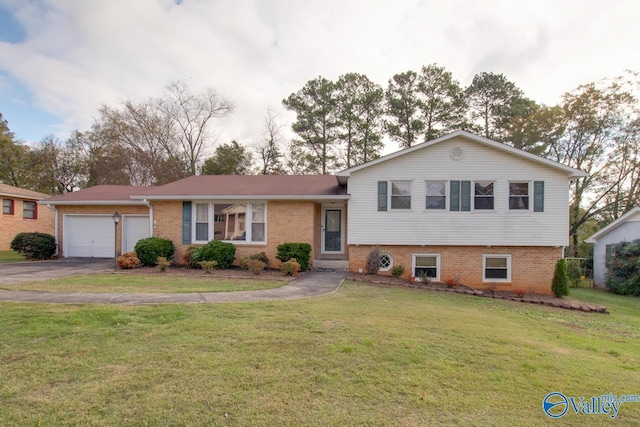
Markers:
<point>126,283</point>
<point>365,355</point>
<point>10,256</point>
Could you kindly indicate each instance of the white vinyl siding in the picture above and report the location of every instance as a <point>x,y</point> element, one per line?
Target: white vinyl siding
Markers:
<point>500,226</point>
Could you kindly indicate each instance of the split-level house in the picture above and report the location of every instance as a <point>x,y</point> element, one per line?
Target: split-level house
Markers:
<point>21,214</point>
<point>458,207</point>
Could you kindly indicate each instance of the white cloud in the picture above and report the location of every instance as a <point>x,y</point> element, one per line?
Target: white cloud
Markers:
<point>79,54</point>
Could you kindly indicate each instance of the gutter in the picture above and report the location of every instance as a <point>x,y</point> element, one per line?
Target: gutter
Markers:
<point>55,227</point>
<point>151,220</point>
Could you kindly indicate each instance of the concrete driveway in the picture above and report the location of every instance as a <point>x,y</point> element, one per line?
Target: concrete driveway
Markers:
<point>28,271</point>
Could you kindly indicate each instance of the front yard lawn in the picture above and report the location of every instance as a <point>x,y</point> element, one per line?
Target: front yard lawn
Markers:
<point>365,355</point>
<point>128,283</point>
<point>10,256</point>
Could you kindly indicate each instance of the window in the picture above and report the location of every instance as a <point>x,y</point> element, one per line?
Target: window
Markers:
<point>386,262</point>
<point>202,222</point>
<point>436,195</point>
<point>497,268</point>
<point>229,221</point>
<point>460,197</point>
<point>519,196</point>
<point>7,206</point>
<point>400,194</point>
<point>29,210</point>
<point>426,264</point>
<point>483,196</point>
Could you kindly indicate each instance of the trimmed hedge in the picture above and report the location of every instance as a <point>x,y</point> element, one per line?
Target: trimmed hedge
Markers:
<point>222,252</point>
<point>34,245</point>
<point>300,251</point>
<point>149,249</point>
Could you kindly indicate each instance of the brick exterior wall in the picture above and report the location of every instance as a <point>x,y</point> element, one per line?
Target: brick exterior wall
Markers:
<point>287,221</point>
<point>93,210</point>
<point>11,225</point>
<point>531,267</point>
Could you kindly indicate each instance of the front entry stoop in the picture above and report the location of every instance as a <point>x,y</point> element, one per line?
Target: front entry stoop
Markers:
<point>330,265</point>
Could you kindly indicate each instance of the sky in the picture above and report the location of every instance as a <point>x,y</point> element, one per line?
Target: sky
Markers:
<point>60,60</point>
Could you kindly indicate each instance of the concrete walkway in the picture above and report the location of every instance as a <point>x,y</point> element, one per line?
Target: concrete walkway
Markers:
<point>312,284</point>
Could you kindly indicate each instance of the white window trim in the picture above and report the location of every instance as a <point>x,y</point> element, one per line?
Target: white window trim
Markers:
<point>211,218</point>
<point>390,263</point>
<point>413,265</point>
<point>390,196</point>
<point>484,267</point>
<point>530,195</point>
<point>473,195</point>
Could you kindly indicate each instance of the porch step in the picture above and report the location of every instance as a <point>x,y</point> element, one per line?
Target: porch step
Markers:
<point>331,264</point>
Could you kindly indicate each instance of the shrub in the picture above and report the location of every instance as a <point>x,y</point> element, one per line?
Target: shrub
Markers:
<point>290,267</point>
<point>451,283</point>
<point>301,252</point>
<point>149,249</point>
<point>190,257</point>
<point>623,268</point>
<point>207,266</point>
<point>261,257</point>
<point>34,245</point>
<point>221,252</point>
<point>560,281</point>
<point>397,270</point>
<point>252,264</point>
<point>373,261</point>
<point>424,278</point>
<point>163,263</point>
<point>128,260</point>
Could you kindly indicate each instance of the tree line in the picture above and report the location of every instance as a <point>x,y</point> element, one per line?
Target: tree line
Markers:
<point>344,123</point>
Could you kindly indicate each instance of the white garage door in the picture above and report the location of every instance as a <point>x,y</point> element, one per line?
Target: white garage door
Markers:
<point>134,228</point>
<point>89,236</point>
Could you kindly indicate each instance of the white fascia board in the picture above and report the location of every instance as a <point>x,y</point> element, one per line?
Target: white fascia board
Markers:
<point>93,203</point>
<point>245,197</point>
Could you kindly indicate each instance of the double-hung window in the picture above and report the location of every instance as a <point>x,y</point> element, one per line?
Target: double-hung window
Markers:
<point>202,222</point>
<point>436,197</point>
<point>497,268</point>
<point>426,265</point>
<point>400,194</point>
<point>483,198</point>
<point>29,210</point>
<point>7,206</point>
<point>518,196</point>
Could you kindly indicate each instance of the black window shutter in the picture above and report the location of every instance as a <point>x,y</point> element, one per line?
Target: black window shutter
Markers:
<point>538,196</point>
<point>186,223</point>
<point>454,189</point>
<point>382,196</point>
<point>465,199</point>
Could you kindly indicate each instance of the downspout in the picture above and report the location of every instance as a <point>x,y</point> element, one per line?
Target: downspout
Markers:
<point>151,220</point>
<point>55,227</point>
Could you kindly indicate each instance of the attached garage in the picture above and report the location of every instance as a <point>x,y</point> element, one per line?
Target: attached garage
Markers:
<point>92,236</point>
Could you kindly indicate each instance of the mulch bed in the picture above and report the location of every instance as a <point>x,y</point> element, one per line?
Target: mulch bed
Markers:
<point>530,298</point>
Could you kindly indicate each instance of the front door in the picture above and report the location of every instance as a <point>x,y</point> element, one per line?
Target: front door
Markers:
<point>332,237</point>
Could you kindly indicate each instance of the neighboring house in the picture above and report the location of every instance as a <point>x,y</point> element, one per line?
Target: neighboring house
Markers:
<point>625,228</point>
<point>21,213</point>
<point>460,206</point>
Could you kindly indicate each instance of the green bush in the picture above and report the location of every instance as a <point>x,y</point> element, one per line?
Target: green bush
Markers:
<point>623,268</point>
<point>149,249</point>
<point>397,270</point>
<point>300,251</point>
<point>260,257</point>
<point>560,281</point>
<point>34,245</point>
<point>221,252</point>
